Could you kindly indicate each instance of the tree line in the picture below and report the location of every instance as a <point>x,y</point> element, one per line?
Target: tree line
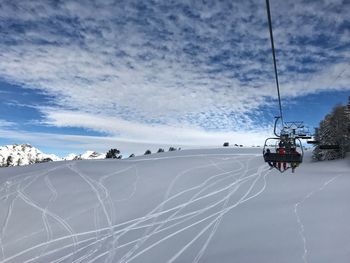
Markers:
<point>115,153</point>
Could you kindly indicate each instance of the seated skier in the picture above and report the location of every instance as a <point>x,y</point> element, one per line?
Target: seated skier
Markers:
<point>281,151</point>
<point>294,164</point>
<point>268,152</point>
<point>288,146</point>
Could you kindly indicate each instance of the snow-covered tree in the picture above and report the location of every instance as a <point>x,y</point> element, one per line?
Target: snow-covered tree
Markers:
<point>334,130</point>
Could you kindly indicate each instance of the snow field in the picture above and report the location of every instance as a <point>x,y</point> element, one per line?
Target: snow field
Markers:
<point>189,206</point>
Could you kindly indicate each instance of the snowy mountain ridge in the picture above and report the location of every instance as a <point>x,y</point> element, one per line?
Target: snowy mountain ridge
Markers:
<point>88,155</point>
<point>25,154</point>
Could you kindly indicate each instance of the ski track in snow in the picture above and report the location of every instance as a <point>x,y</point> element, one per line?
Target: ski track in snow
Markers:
<point>218,221</point>
<point>7,186</point>
<point>101,199</point>
<point>134,188</point>
<point>166,199</point>
<point>94,208</point>
<point>192,214</point>
<point>99,256</point>
<point>299,221</point>
<point>45,212</point>
<point>54,196</point>
<point>209,225</point>
<point>18,188</point>
<point>124,258</point>
<point>60,220</point>
<point>4,226</point>
<point>27,175</point>
<point>202,190</point>
<point>156,226</point>
<point>220,213</point>
<point>44,215</point>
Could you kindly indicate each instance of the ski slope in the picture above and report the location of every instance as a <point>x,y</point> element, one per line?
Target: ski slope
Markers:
<point>213,205</point>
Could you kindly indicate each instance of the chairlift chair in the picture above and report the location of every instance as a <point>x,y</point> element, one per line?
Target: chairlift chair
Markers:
<point>290,141</point>
<point>289,156</point>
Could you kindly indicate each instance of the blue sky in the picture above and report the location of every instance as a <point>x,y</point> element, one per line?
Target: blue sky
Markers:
<point>79,75</point>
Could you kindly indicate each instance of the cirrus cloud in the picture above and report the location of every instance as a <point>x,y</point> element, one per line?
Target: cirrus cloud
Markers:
<point>129,66</point>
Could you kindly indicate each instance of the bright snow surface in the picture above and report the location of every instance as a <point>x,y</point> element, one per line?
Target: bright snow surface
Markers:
<point>217,205</point>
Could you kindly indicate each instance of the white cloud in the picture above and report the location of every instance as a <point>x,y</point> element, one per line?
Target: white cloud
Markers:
<point>4,123</point>
<point>77,143</point>
<point>160,134</point>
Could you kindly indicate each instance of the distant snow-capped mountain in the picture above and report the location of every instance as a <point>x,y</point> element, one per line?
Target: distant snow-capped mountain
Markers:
<point>70,157</point>
<point>92,155</point>
<point>23,154</point>
<point>88,155</point>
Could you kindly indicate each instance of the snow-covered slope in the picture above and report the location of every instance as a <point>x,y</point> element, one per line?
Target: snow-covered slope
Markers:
<point>217,205</point>
<point>23,154</point>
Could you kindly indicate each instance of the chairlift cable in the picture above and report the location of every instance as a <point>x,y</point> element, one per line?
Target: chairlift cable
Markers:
<point>274,57</point>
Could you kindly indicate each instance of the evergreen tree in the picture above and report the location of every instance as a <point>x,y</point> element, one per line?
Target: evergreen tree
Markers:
<point>9,160</point>
<point>171,149</point>
<point>113,154</point>
<point>334,130</point>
